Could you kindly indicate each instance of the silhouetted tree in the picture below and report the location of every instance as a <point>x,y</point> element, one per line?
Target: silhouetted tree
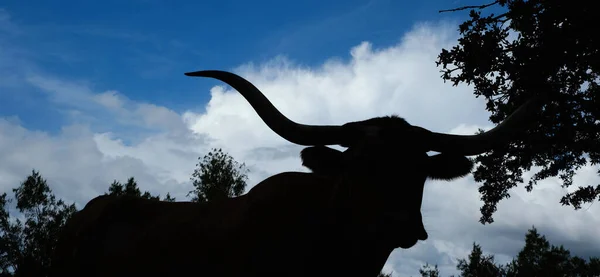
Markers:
<point>533,47</point>
<point>218,176</point>
<point>478,264</point>
<point>429,271</point>
<point>539,258</point>
<point>131,188</point>
<point>426,270</point>
<point>536,258</point>
<point>28,240</point>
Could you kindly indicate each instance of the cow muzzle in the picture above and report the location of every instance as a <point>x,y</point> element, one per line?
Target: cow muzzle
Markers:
<point>403,229</point>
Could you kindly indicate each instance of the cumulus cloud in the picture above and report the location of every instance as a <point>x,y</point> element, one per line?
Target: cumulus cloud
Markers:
<point>80,97</point>
<point>401,79</point>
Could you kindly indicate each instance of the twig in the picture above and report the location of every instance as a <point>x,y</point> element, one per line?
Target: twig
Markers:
<point>470,7</point>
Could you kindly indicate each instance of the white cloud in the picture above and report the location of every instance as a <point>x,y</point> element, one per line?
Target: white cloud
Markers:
<point>401,79</point>
<point>109,99</point>
<point>109,106</point>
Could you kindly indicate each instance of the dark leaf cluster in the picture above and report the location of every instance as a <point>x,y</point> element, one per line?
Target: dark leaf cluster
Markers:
<point>131,188</point>
<point>535,47</point>
<point>218,176</point>
<point>27,242</point>
<point>537,258</point>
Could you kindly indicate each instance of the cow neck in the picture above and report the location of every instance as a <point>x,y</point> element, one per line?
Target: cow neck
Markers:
<point>341,199</point>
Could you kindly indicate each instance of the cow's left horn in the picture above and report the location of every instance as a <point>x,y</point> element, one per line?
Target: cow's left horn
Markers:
<point>279,123</point>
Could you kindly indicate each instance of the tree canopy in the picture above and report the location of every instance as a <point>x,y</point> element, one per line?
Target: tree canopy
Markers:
<point>218,176</point>
<point>27,242</point>
<point>537,258</point>
<point>535,47</point>
<point>131,188</point>
<point>28,238</point>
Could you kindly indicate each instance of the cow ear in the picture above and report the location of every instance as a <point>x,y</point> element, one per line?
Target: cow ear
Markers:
<point>322,160</point>
<point>448,166</point>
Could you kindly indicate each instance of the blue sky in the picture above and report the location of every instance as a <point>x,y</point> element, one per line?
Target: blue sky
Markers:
<point>94,91</point>
<point>142,47</point>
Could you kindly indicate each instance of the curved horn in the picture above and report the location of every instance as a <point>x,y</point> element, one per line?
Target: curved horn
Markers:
<point>476,144</point>
<point>279,123</point>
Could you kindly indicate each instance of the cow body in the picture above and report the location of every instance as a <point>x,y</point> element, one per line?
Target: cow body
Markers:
<point>343,219</point>
<point>284,226</point>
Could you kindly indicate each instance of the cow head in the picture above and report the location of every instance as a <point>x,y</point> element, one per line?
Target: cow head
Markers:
<point>384,168</point>
<point>387,168</point>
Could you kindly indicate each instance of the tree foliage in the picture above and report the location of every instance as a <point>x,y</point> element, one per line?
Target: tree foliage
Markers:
<point>533,47</point>
<point>428,270</point>
<point>478,264</point>
<point>218,176</point>
<point>131,188</point>
<point>28,238</point>
<point>537,258</point>
<point>27,242</point>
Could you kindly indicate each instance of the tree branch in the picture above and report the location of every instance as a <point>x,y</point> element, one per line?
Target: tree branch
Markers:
<point>470,7</point>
